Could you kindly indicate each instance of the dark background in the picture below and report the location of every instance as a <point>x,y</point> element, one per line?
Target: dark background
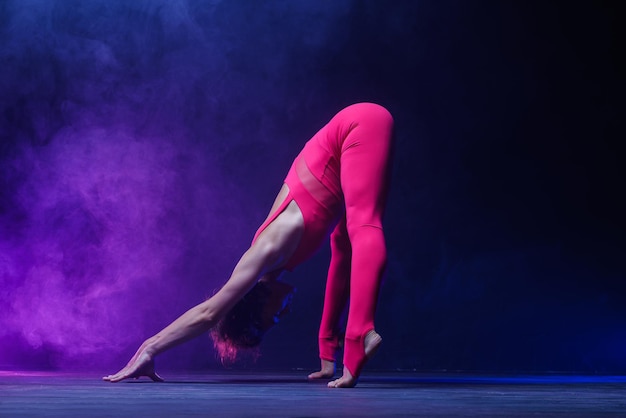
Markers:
<point>141,144</point>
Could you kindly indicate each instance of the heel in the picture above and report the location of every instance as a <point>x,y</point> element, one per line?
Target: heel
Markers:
<point>372,342</point>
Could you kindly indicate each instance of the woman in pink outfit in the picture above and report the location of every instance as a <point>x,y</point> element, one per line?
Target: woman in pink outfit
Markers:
<point>337,185</point>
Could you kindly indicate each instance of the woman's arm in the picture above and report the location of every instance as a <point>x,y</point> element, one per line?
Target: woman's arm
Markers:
<point>266,257</point>
<point>189,325</point>
<point>198,319</point>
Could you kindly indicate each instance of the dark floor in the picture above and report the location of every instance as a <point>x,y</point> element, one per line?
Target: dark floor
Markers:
<point>290,395</point>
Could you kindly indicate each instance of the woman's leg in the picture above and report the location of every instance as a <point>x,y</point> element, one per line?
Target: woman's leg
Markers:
<point>364,180</point>
<point>335,300</point>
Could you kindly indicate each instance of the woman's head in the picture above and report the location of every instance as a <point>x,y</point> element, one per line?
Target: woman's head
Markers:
<point>243,326</point>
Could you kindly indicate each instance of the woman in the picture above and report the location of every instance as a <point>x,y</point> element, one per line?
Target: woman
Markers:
<point>337,185</point>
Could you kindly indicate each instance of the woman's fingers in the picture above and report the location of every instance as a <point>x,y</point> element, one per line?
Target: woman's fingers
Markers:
<point>136,370</point>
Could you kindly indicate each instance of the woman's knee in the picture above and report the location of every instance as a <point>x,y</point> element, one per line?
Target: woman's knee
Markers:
<point>368,237</point>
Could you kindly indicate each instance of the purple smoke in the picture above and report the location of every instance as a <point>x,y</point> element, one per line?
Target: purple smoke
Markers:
<point>101,240</point>
<point>127,132</point>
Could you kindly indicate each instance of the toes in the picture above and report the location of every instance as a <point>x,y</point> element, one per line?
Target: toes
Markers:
<point>343,382</point>
<point>338,383</point>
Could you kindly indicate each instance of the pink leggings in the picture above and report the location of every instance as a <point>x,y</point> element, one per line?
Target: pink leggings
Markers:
<point>345,165</point>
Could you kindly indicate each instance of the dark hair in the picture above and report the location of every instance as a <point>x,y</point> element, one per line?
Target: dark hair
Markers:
<point>242,328</point>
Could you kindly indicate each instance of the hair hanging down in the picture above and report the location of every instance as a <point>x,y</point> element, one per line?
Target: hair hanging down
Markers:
<point>241,329</point>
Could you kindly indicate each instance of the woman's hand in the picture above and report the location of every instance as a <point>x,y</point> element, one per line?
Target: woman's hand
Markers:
<point>141,364</point>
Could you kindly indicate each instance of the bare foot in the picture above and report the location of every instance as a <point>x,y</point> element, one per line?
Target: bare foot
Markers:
<point>142,364</point>
<point>372,343</point>
<point>345,381</point>
<point>327,370</point>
